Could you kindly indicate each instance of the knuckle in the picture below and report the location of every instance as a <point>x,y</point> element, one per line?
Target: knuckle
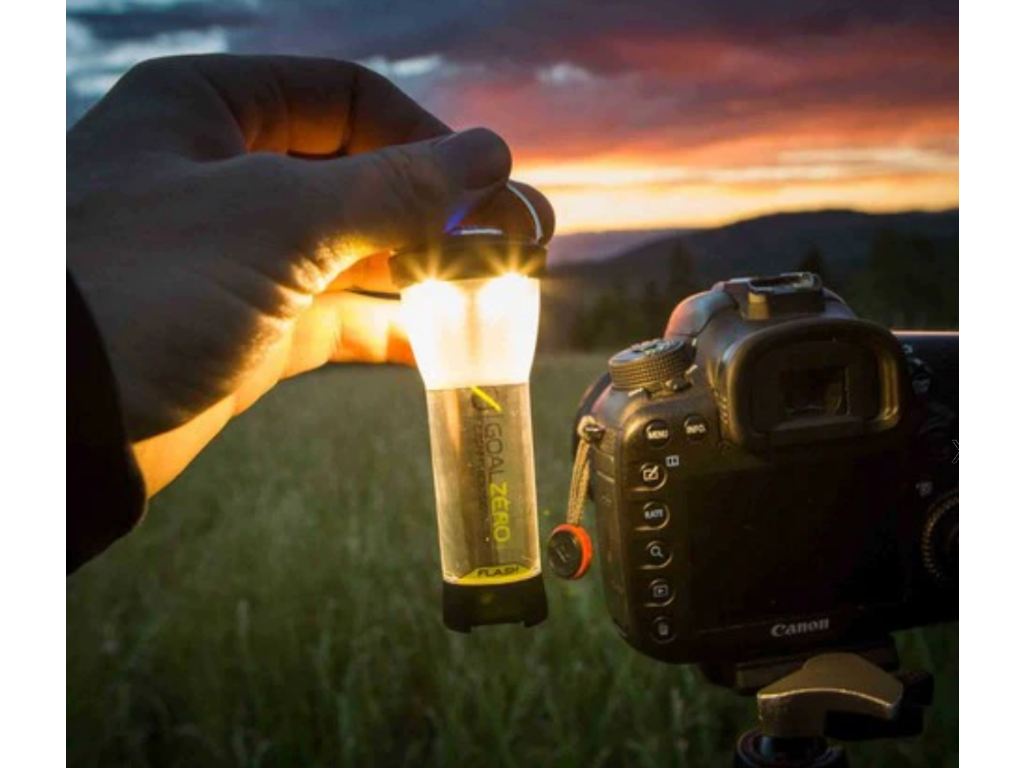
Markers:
<point>169,70</point>
<point>412,188</point>
<point>154,70</point>
<point>366,79</point>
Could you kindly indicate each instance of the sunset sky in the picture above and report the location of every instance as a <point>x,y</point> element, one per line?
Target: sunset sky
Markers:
<point>650,113</point>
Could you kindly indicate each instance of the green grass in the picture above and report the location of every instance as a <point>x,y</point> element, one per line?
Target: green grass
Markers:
<point>281,607</point>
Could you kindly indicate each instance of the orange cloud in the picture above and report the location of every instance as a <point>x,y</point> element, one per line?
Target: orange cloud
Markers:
<point>655,113</point>
<point>689,133</point>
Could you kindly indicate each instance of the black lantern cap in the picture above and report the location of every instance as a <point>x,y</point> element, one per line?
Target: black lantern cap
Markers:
<point>475,252</point>
<point>468,254</point>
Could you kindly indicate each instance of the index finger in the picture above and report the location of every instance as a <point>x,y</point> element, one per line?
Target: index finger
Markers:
<point>214,107</point>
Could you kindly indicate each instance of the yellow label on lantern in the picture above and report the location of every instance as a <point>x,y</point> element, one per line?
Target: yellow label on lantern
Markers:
<point>497,574</point>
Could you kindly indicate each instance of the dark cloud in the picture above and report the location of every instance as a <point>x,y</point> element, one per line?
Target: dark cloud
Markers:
<point>507,33</point>
<point>144,21</point>
<point>705,84</point>
<point>511,35</point>
<point>727,66</point>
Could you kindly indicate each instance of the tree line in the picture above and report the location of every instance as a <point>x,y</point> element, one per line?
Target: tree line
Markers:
<point>906,282</point>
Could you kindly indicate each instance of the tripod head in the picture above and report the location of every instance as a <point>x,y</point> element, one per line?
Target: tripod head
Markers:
<point>840,696</point>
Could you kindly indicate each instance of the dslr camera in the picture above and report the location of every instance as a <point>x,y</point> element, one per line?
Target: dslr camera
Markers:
<point>775,477</point>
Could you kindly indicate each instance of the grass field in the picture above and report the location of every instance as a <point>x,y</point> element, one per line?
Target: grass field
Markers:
<point>281,607</point>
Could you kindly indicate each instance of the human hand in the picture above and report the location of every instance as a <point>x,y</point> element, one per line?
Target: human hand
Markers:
<point>219,212</point>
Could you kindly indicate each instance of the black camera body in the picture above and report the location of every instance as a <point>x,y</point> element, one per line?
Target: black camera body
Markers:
<point>775,477</point>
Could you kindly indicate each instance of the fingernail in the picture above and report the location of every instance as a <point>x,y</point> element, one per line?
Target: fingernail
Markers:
<point>475,159</point>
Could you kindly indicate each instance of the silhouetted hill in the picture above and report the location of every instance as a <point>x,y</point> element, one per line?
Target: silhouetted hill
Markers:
<point>761,246</point>
<point>854,252</point>
<point>568,250</point>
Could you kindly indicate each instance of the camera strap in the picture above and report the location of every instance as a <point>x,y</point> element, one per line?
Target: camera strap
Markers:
<point>580,477</point>
<point>570,549</point>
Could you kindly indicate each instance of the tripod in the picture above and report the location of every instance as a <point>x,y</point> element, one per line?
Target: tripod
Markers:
<point>847,697</point>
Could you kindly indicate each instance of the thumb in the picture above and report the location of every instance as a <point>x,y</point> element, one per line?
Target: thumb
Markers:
<point>341,211</point>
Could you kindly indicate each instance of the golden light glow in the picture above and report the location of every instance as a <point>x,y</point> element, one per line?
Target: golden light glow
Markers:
<point>599,197</point>
<point>433,301</point>
<point>473,333</point>
<point>503,296</point>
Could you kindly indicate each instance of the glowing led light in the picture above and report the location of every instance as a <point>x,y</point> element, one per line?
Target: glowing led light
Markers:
<point>504,295</point>
<point>472,333</point>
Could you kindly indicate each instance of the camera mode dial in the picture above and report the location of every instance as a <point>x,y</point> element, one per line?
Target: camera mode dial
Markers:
<point>653,365</point>
<point>942,541</point>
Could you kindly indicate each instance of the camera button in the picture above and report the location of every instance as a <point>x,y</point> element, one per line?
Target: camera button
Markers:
<point>658,434</point>
<point>654,517</point>
<point>652,476</point>
<point>657,554</point>
<point>697,429</point>
<point>660,593</point>
<point>663,630</point>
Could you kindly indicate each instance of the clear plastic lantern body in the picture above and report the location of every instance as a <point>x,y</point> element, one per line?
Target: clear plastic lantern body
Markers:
<point>475,342</point>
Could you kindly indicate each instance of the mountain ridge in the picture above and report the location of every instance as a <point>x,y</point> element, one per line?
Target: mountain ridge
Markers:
<point>896,268</point>
<point>768,244</point>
